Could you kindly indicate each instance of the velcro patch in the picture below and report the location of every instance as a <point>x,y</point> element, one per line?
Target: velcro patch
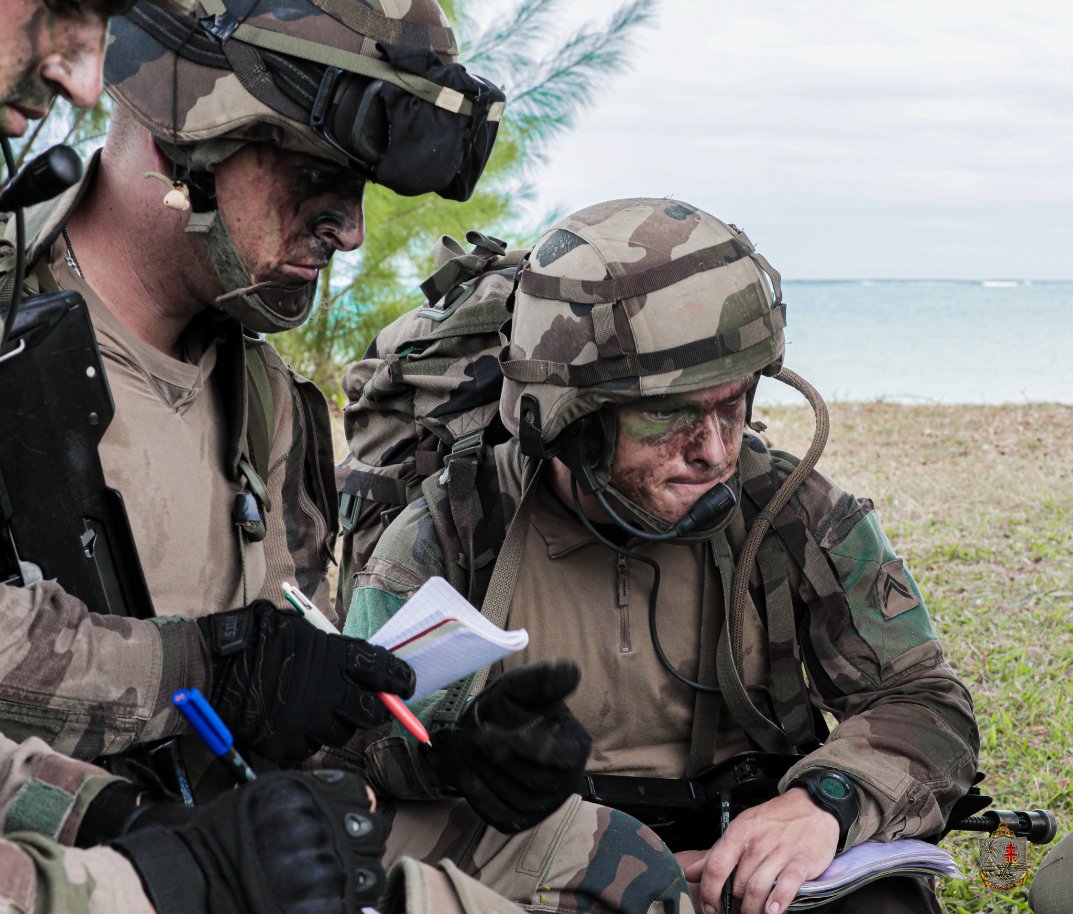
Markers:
<point>39,807</point>
<point>894,591</point>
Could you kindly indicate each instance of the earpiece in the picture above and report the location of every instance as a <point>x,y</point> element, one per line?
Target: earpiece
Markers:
<point>178,195</point>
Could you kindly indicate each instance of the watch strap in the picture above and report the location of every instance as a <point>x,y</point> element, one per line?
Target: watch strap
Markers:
<point>833,792</point>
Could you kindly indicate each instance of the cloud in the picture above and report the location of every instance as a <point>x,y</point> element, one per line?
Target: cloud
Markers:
<point>931,107</point>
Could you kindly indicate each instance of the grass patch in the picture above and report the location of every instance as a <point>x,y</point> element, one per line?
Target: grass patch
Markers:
<point>979,500</point>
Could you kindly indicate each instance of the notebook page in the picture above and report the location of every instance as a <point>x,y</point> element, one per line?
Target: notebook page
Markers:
<point>444,638</point>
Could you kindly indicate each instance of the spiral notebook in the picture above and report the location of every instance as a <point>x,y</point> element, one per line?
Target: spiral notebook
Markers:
<point>444,637</point>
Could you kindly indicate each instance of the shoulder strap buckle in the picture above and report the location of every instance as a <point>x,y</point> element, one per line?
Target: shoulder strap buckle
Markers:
<point>470,445</point>
<point>255,482</point>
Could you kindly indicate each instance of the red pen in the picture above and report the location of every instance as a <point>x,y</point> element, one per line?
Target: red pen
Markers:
<point>308,611</point>
<point>405,716</point>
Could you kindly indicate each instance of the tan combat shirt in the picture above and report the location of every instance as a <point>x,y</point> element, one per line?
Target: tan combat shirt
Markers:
<point>640,719</point>
<point>92,684</point>
<point>165,452</point>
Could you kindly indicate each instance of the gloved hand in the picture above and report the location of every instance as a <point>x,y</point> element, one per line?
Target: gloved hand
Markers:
<point>284,688</point>
<point>517,752</point>
<point>122,807</point>
<point>289,841</point>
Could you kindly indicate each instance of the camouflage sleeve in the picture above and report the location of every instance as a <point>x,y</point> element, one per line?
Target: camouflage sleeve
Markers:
<point>906,733</point>
<point>300,525</point>
<point>407,555</point>
<point>45,792</point>
<point>43,796</point>
<point>39,876</point>
<point>91,684</point>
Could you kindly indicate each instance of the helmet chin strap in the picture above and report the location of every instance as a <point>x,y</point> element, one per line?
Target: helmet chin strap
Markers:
<point>266,307</point>
<point>587,449</point>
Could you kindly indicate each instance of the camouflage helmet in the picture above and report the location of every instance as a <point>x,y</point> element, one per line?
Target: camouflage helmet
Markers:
<point>630,299</point>
<point>296,73</point>
<point>372,85</point>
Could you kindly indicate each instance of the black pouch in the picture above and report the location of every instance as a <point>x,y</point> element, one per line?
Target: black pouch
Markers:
<point>413,146</point>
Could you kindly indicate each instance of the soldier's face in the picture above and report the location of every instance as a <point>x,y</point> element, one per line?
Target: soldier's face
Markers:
<point>671,450</point>
<point>288,213</point>
<point>47,50</point>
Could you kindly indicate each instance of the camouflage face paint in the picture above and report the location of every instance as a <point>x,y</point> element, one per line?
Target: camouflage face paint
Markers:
<point>671,449</point>
<point>287,213</point>
<point>46,52</point>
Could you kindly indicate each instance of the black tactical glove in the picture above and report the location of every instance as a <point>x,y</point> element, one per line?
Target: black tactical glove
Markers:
<point>289,841</point>
<point>284,688</point>
<point>122,807</point>
<point>517,752</point>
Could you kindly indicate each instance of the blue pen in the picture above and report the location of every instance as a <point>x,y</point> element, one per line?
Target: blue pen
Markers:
<point>214,734</point>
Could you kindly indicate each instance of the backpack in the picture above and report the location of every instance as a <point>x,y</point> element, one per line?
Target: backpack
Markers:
<point>425,396</point>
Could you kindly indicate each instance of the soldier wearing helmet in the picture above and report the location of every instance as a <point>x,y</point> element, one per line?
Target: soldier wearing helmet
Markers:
<point>694,576</point>
<point>265,123</point>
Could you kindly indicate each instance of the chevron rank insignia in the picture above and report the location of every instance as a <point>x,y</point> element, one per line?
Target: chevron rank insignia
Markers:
<point>894,590</point>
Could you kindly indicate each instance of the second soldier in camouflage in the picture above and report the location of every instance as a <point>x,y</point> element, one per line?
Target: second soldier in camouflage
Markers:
<point>640,329</point>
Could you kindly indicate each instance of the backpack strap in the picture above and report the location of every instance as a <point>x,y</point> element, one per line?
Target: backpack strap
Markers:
<point>506,540</point>
<point>456,267</point>
<point>260,420</point>
<point>707,706</point>
<point>251,421</point>
<point>464,496</point>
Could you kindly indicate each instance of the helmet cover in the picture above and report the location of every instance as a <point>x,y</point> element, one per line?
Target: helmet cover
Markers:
<point>372,86</point>
<point>636,298</point>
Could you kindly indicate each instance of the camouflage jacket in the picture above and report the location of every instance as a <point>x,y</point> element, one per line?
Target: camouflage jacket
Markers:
<point>92,684</point>
<point>43,796</point>
<point>873,660</point>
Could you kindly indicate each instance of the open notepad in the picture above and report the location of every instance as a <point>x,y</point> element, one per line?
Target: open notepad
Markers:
<point>444,638</point>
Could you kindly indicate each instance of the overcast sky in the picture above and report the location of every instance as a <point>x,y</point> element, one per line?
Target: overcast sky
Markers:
<point>850,138</point>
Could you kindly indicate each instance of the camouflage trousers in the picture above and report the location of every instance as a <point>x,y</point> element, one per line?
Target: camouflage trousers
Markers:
<point>583,859</point>
<point>1052,889</point>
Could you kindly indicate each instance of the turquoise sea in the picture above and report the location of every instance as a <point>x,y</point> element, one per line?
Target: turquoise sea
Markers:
<point>929,341</point>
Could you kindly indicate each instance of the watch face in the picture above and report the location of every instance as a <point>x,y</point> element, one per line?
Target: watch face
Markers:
<point>834,786</point>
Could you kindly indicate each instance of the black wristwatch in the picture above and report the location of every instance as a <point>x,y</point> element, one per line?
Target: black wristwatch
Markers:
<point>833,791</point>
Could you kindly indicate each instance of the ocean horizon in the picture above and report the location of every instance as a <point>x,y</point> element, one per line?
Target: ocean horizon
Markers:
<point>949,341</point>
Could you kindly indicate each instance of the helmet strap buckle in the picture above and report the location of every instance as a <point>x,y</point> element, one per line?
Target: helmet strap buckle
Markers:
<point>532,444</point>
<point>325,92</point>
<point>583,446</point>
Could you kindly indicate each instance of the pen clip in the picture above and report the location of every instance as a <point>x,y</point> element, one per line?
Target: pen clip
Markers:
<point>297,599</point>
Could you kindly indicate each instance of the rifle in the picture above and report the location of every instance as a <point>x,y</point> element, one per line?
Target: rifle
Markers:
<point>58,517</point>
<point>692,813</point>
